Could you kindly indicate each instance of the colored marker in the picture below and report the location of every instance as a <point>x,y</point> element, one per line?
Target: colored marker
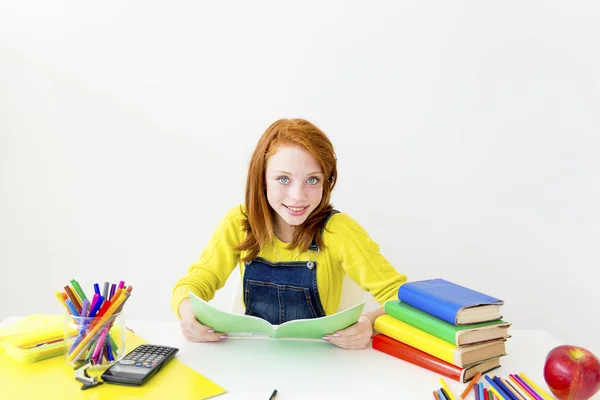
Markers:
<point>74,298</point>
<point>97,327</point>
<point>72,307</point>
<point>96,307</point>
<point>105,291</point>
<point>60,298</point>
<point>85,307</point>
<point>78,289</point>
<point>112,291</point>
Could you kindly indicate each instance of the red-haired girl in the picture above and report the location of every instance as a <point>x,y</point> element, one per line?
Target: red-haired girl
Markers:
<point>293,248</point>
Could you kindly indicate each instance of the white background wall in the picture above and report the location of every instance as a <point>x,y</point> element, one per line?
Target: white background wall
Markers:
<point>466,133</point>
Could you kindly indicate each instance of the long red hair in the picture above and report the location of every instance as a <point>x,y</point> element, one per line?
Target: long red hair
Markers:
<point>259,218</point>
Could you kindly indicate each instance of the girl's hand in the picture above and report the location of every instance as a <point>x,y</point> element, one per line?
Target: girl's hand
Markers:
<point>355,337</point>
<point>193,330</point>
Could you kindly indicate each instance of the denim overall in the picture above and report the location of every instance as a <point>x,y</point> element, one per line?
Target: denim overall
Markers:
<point>283,291</point>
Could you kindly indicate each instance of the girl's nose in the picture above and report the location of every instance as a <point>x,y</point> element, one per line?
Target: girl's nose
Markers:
<point>297,192</point>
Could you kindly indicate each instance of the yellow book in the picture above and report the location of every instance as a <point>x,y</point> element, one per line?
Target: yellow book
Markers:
<point>52,378</point>
<point>460,356</point>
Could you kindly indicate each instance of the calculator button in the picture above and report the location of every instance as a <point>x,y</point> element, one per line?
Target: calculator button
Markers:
<point>127,362</point>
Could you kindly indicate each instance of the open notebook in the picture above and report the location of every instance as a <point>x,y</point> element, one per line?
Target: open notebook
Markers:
<point>235,325</point>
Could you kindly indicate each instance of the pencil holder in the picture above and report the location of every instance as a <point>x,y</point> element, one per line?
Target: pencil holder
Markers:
<point>99,340</point>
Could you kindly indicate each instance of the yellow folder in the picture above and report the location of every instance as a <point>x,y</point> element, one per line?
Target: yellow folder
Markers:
<point>54,379</point>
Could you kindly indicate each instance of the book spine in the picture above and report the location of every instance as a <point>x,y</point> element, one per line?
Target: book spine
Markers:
<point>416,338</point>
<point>423,321</point>
<point>417,299</point>
<point>417,357</point>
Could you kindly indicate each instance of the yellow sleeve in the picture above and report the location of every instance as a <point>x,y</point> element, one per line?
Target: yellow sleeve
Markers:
<point>360,258</point>
<point>217,260</point>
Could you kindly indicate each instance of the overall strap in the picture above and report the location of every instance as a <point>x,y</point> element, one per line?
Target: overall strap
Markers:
<point>313,246</point>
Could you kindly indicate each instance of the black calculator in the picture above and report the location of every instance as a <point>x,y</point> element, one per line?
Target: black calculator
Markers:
<point>139,365</point>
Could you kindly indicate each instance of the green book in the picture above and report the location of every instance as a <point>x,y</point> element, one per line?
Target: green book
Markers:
<point>235,325</point>
<point>457,335</point>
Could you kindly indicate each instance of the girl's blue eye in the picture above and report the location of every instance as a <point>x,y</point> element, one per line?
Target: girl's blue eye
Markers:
<point>313,180</point>
<point>284,180</point>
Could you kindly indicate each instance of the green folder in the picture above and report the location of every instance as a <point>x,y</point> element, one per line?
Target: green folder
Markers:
<point>235,325</point>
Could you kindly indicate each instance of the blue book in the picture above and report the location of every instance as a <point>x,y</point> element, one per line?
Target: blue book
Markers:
<point>453,303</point>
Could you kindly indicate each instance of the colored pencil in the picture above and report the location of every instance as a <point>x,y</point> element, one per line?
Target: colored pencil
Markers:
<point>530,392</point>
<point>480,390</point>
<point>445,386</point>
<point>443,394</point>
<point>505,392</point>
<point>471,384</point>
<point>497,389</point>
<point>495,393</point>
<point>538,389</point>
<point>516,389</point>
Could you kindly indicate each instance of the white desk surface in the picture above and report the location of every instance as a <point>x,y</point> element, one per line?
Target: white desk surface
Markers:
<point>252,368</point>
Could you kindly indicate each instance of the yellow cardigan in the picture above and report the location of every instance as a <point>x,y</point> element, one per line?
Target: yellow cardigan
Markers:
<point>348,250</point>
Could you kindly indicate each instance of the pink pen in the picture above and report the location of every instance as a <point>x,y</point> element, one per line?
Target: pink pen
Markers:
<point>94,300</point>
<point>121,284</point>
<point>100,343</point>
<point>525,386</point>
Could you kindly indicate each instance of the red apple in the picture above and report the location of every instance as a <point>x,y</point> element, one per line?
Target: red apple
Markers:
<point>572,373</point>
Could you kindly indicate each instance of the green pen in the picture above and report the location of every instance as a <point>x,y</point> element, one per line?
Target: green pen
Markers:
<point>92,347</point>
<point>113,344</point>
<point>78,289</point>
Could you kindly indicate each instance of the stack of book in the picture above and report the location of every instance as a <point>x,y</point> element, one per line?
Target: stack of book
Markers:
<point>444,327</point>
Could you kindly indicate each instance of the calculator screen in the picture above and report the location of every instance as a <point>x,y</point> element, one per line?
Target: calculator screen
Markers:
<point>129,369</point>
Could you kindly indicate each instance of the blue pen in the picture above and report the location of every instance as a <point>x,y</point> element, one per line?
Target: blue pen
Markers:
<point>109,352</point>
<point>97,288</point>
<point>441,395</point>
<point>96,307</point>
<point>72,308</point>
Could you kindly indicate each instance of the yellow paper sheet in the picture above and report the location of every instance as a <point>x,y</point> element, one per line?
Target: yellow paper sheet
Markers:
<point>54,379</point>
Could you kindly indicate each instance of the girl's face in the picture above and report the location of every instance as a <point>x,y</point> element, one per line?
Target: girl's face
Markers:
<point>294,182</point>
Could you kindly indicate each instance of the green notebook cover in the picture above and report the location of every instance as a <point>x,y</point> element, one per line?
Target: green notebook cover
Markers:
<point>235,325</point>
<point>433,325</point>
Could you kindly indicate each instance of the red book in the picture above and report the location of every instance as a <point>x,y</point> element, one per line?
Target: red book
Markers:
<point>414,356</point>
